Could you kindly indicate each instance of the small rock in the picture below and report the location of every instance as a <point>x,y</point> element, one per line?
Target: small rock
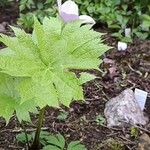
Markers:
<point>124,109</point>
<point>112,68</point>
<point>112,71</point>
<point>108,61</point>
<point>122,46</point>
<point>144,142</point>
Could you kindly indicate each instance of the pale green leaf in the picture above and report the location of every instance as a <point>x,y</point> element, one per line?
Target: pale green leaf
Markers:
<point>21,137</point>
<point>44,90</point>
<point>57,140</point>
<point>17,66</point>
<point>25,89</point>
<point>23,109</point>
<point>26,41</point>
<point>46,58</point>
<point>81,63</point>
<point>39,38</point>
<point>85,77</point>
<point>8,86</point>
<point>6,52</point>
<point>70,88</point>
<point>52,28</point>
<point>10,101</point>
<point>76,145</point>
<point>18,48</point>
<point>7,106</point>
<point>52,33</point>
<point>51,147</point>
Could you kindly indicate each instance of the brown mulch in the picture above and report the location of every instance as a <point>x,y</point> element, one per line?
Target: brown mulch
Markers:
<point>132,71</point>
<point>81,122</point>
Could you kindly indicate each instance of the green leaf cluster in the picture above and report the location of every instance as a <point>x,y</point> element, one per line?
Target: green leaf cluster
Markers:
<point>38,65</point>
<point>51,142</point>
<point>116,14</point>
<point>10,100</point>
<point>4,3</point>
<point>57,142</point>
<point>38,8</point>
<point>120,14</point>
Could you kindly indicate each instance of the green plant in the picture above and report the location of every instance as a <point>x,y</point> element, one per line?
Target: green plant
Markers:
<point>4,3</point>
<point>37,67</point>
<point>24,138</point>
<point>100,120</point>
<point>134,132</point>
<point>58,143</point>
<point>115,145</point>
<point>52,142</point>
<point>117,14</point>
<point>63,115</point>
<point>30,8</point>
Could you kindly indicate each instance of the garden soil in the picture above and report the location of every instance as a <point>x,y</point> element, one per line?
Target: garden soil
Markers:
<point>132,70</point>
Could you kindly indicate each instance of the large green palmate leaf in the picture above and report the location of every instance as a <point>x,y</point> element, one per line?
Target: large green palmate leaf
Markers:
<point>10,101</point>
<point>44,60</point>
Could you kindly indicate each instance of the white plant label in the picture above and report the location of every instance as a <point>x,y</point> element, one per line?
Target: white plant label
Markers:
<point>141,97</point>
<point>122,46</point>
<point>145,28</point>
<point>128,32</point>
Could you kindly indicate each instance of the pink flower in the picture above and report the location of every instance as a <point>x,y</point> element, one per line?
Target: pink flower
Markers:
<point>69,11</point>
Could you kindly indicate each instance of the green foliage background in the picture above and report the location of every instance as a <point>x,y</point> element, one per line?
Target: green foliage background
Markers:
<point>116,14</point>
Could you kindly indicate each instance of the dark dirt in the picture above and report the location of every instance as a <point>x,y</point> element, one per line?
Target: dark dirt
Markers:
<point>132,71</point>
<point>8,16</point>
<point>9,13</point>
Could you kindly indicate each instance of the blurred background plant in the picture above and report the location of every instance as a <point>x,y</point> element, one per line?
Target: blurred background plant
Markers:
<point>4,3</point>
<point>120,14</point>
<point>114,14</point>
<point>39,8</point>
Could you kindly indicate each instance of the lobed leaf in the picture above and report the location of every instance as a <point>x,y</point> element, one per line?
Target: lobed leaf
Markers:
<point>41,62</point>
<point>10,101</point>
<point>85,77</point>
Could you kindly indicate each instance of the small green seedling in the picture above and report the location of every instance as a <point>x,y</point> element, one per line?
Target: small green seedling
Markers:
<point>134,132</point>
<point>51,142</point>
<point>24,138</point>
<point>100,120</point>
<point>58,143</point>
<point>63,115</point>
<point>115,145</point>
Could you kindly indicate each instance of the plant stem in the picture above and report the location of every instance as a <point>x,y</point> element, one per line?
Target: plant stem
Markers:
<point>36,142</point>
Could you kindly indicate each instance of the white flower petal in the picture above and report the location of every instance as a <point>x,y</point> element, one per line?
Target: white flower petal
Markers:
<point>70,7</point>
<point>68,17</point>
<point>87,19</point>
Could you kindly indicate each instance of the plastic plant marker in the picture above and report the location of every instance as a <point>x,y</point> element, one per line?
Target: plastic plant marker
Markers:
<point>122,46</point>
<point>141,97</point>
<point>127,32</point>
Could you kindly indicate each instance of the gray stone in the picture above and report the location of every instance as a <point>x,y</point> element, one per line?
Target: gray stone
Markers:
<point>124,109</point>
<point>144,142</point>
